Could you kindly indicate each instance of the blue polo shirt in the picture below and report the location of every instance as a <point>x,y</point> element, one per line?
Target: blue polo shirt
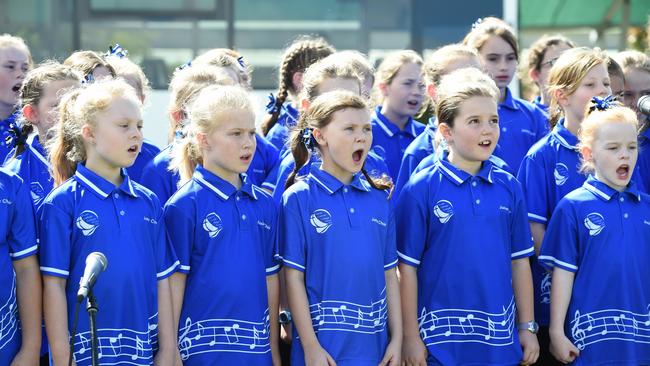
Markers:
<point>462,233</point>
<point>147,153</point>
<point>343,238</point>
<point>18,230</point>
<point>220,232</point>
<point>522,125</point>
<point>5,125</point>
<point>158,178</point>
<point>602,236</point>
<point>34,168</point>
<point>279,133</point>
<point>375,166</point>
<point>538,103</point>
<point>87,214</point>
<point>265,159</point>
<point>389,142</point>
<point>421,147</point>
<point>643,162</point>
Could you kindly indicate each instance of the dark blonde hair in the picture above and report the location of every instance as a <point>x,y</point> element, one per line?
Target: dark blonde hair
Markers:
<point>86,62</point>
<point>485,28</point>
<point>303,52</point>
<point>333,66</point>
<point>595,119</point>
<point>538,49</point>
<point>33,86</point>
<point>389,68</point>
<point>131,73</point>
<point>459,86</point>
<point>79,108</point>
<point>205,113</point>
<point>319,114</point>
<point>633,59</point>
<point>567,73</point>
<point>228,59</point>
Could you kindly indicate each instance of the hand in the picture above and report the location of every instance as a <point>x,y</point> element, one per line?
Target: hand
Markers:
<point>285,333</point>
<point>562,348</point>
<point>317,356</point>
<point>414,352</point>
<point>393,354</point>
<point>530,346</point>
<point>26,358</point>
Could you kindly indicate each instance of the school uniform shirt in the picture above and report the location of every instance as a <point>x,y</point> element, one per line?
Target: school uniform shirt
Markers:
<point>389,142</point>
<point>643,162</point>
<point>279,133</point>
<point>602,236</point>
<point>5,125</point>
<point>549,171</point>
<point>538,103</point>
<point>226,243</point>
<point>34,168</point>
<point>522,124</point>
<point>86,214</point>
<point>18,230</point>
<point>343,238</point>
<point>375,167</point>
<point>421,147</point>
<point>158,178</point>
<point>147,153</point>
<point>462,233</point>
<point>265,159</point>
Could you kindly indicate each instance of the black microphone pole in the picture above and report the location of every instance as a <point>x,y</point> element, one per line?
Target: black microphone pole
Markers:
<point>92,308</point>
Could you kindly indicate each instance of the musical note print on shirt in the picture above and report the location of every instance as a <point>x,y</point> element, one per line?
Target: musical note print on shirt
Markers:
<point>224,335</point>
<point>9,316</point>
<point>351,317</point>
<point>464,325</point>
<point>610,324</point>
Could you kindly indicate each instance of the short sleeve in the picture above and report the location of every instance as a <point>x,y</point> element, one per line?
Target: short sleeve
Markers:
<point>532,177</point>
<point>293,239</point>
<point>180,233</point>
<point>520,238</point>
<point>22,238</point>
<point>560,245</point>
<point>55,234</point>
<point>271,253</point>
<point>409,163</point>
<point>281,179</point>
<point>166,260</point>
<point>159,182</point>
<point>412,223</point>
<point>390,249</point>
<point>271,178</point>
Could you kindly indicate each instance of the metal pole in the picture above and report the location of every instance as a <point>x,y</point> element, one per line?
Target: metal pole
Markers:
<point>625,23</point>
<point>76,32</point>
<point>230,23</point>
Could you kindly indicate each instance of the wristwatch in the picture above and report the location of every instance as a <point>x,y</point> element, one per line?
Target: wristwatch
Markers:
<point>285,317</point>
<point>530,326</point>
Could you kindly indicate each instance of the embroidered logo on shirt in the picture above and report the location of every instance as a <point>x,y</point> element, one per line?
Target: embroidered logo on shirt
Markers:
<point>443,210</point>
<point>150,220</point>
<point>528,132</point>
<point>37,191</point>
<point>504,208</point>
<point>264,224</point>
<point>6,201</point>
<point>212,224</point>
<point>87,222</point>
<point>378,221</point>
<point>561,174</point>
<point>321,220</point>
<point>595,223</point>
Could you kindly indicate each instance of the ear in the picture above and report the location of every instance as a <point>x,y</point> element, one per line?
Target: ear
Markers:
<point>534,75</point>
<point>561,96</point>
<point>383,88</point>
<point>431,91</point>
<point>176,117</point>
<point>304,104</point>
<point>88,134</point>
<point>587,153</point>
<point>30,113</point>
<point>319,137</point>
<point>445,131</point>
<point>296,81</point>
<point>202,141</point>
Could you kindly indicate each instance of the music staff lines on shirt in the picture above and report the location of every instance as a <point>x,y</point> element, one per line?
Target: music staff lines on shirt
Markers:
<point>463,325</point>
<point>224,335</point>
<point>9,320</point>
<point>348,316</point>
<point>610,324</point>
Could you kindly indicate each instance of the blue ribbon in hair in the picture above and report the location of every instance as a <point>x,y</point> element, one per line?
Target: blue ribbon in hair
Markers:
<point>307,137</point>
<point>15,136</point>
<point>184,66</point>
<point>240,59</point>
<point>602,104</point>
<point>272,105</point>
<point>117,51</point>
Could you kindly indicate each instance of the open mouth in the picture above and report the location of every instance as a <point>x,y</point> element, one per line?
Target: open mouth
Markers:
<point>246,158</point>
<point>16,88</point>
<point>133,149</point>
<point>485,143</point>
<point>413,103</point>
<point>357,155</point>
<point>623,172</point>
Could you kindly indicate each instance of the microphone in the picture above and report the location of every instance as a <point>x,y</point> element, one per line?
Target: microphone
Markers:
<point>643,105</point>
<point>96,263</point>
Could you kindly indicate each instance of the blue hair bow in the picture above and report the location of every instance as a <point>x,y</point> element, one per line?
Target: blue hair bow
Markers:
<point>117,51</point>
<point>477,23</point>
<point>15,136</point>
<point>240,59</point>
<point>307,137</point>
<point>272,105</point>
<point>184,66</point>
<point>602,104</point>
<point>88,79</point>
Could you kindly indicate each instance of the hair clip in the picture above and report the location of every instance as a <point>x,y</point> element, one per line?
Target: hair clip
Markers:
<point>307,137</point>
<point>602,104</point>
<point>88,79</point>
<point>116,51</point>
<point>15,136</point>
<point>272,105</point>
<point>477,23</point>
<point>240,59</point>
<point>184,66</point>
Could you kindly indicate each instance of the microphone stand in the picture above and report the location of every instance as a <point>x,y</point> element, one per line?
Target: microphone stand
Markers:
<point>92,309</point>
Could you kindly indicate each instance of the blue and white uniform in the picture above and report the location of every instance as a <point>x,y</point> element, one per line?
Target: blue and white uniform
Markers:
<point>5,125</point>
<point>643,162</point>
<point>522,125</point>
<point>421,147</point>
<point>158,178</point>
<point>343,238</point>
<point>86,214</point>
<point>462,233</point>
<point>540,105</point>
<point>18,229</point>
<point>279,133</point>
<point>226,243</point>
<point>389,142</point>
<point>602,236</point>
<point>34,168</point>
<point>147,153</point>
